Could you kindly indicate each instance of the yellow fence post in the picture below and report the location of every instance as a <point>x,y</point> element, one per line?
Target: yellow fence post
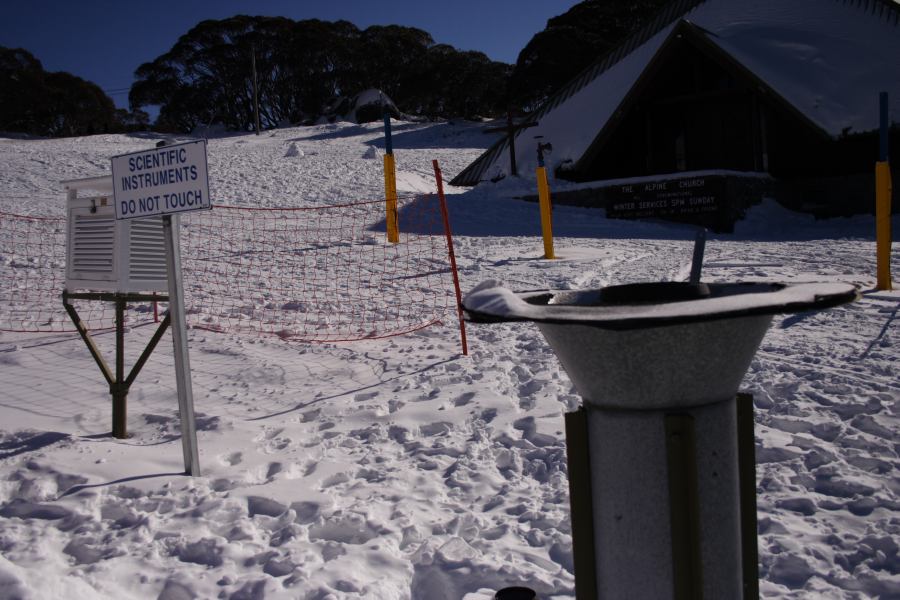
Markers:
<point>390,191</point>
<point>883,224</point>
<point>546,219</point>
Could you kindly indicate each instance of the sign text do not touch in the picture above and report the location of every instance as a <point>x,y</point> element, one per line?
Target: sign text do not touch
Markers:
<point>161,181</point>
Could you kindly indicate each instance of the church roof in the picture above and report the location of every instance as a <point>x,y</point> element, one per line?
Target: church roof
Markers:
<point>827,59</point>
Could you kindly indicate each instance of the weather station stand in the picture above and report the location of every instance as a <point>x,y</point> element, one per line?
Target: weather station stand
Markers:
<point>122,245</point>
<point>661,452</point>
<point>119,383</point>
<point>112,261</point>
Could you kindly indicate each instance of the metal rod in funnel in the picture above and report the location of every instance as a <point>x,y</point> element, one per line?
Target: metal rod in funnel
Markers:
<point>697,260</point>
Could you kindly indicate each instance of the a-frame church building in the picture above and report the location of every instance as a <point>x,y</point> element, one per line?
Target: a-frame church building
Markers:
<point>740,99</point>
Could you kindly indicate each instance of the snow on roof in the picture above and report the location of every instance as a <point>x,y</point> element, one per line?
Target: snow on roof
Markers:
<point>827,58</point>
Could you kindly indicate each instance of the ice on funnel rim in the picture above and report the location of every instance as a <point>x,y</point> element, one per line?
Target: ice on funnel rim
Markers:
<point>491,300</point>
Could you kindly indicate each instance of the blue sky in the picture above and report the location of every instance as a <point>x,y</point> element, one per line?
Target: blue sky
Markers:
<point>104,41</point>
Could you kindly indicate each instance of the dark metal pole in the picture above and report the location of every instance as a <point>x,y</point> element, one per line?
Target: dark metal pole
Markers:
<point>581,502</point>
<point>684,504</point>
<point>883,130</point>
<point>747,482</point>
<point>118,389</point>
<point>255,93</point>
<point>388,143</point>
<point>697,260</point>
<point>511,133</point>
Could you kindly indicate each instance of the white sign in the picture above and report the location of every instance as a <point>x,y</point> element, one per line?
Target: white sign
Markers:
<point>161,181</point>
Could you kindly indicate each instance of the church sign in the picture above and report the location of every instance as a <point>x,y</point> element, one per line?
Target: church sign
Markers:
<point>700,200</point>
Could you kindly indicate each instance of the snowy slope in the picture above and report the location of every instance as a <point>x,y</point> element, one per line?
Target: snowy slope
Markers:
<point>398,468</point>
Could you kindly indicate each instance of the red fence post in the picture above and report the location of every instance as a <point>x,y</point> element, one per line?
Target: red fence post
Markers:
<point>446,217</point>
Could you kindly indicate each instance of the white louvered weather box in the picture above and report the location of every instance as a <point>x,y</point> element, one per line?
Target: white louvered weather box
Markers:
<point>106,255</point>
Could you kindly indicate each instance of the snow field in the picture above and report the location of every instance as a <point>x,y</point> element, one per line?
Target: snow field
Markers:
<point>396,469</point>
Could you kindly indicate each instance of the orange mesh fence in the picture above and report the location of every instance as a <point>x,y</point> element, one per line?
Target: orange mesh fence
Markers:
<point>317,274</point>
<point>32,277</point>
<point>322,274</point>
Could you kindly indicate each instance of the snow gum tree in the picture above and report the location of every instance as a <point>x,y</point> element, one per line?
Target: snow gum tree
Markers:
<point>304,66</point>
<point>38,102</point>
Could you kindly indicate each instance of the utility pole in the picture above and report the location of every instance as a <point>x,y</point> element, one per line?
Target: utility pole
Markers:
<point>255,93</point>
<point>510,129</point>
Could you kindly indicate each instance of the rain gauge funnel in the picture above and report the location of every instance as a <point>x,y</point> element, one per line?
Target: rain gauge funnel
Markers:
<point>662,491</point>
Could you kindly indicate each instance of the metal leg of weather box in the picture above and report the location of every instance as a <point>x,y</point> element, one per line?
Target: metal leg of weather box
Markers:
<point>684,507</point>
<point>582,521</point>
<point>88,340</point>
<point>118,390</point>
<point>747,478</point>
<point>124,385</point>
<point>118,383</point>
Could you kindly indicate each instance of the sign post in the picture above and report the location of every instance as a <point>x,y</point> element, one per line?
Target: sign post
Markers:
<point>510,129</point>
<point>179,339</point>
<point>167,181</point>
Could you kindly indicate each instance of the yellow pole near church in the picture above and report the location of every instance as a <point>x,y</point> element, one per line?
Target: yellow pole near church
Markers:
<point>390,183</point>
<point>544,201</point>
<point>546,220</point>
<point>390,190</point>
<point>883,202</point>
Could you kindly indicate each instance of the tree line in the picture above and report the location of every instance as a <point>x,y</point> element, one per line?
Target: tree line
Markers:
<point>37,102</point>
<point>304,68</point>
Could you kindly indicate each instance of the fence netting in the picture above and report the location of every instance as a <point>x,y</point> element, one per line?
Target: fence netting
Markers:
<point>320,274</point>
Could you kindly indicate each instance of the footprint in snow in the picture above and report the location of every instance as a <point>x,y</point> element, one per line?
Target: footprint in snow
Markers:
<point>841,488</point>
<point>433,429</point>
<point>276,445</point>
<point>398,433</point>
<point>269,434</point>
<point>223,484</point>
<point>488,415</point>
<point>235,458</point>
<point>463,399</point>
<point>310,415</point>
<point>804,506</point>
<point>274,469</point>
<point>870,464</point>
<point>336,479</point>
<point>258,505</point>
<point>306,511</point>
<point>371,476</point>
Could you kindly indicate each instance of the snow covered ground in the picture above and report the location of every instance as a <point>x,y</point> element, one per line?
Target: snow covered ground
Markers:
<point>393,469</point>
